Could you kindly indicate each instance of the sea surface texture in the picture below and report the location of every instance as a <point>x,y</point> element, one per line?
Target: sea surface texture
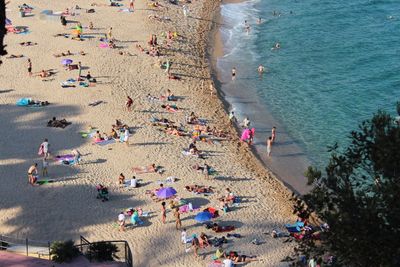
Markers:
<point>338,63</point>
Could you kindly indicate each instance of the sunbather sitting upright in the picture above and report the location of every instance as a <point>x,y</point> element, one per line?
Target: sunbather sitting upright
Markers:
<point>119,125</point>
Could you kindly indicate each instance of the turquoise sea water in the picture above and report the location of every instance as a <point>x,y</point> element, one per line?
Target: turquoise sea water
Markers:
<point>339,62</point>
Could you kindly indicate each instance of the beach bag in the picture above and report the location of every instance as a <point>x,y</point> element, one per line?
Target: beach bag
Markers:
<point>41,150</point>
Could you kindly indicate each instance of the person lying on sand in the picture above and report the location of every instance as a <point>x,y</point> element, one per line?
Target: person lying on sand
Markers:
<point>158,18</point>
<point>145,169</point>
<point>174,130</point>
<point>170,108</point>
<point>37,103</point>
<point>199,189</point>
<point>68,53</point>
<point>153,192</point>
<point>125,53</point>
<point>173,77</point>
<point>27,43</point>
<point>15,56</point>
<point>58,123</point>
<point>140,48</point>
<point>233,255</point>
<point>97,137</point>
<point>111,44</point>
<point>45,73</point>
<point>220,229</point>
<point>192,119</point>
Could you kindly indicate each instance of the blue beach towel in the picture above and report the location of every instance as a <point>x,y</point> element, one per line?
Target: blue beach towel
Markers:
<point>106,142</point>
<point>23,102</point>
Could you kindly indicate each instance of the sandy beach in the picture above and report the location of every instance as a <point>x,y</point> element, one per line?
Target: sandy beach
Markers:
<point>68,208</point>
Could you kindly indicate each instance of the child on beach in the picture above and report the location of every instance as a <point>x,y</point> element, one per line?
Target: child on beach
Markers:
<point>129,103</point>
<point>29,64</point>
<point>269,145</point>
<point>273,134</point>
<point>121,179</point>
<point>32,174</point>
<point>121,222</point>
<point>163,212</point>
<point>178,222</point>
<point>126,136</point>
<point>44,167</point>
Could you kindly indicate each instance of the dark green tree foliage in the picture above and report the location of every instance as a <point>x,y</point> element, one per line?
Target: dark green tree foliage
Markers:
<point>63,251</point>
<point>358,196</point>
<point>103,251</point>
<point>2,27</point>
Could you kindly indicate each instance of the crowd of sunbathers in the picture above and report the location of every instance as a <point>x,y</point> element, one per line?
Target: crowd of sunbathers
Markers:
<point>58,123</point>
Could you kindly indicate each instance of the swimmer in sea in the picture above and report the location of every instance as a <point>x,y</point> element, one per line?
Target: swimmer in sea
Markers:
<point>233,74</point>
<point>259,21</point>
<point>261,69</point>
<point>246,26</point>
<point>277,46</point>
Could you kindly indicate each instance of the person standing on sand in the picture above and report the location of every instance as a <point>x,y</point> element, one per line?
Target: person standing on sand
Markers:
<point>44,167</point>
<point>129,103</point>
<point>131,5</point>
<point>163,212</point>
<point>233,74</point>
<point>44,149</point>
<point>178,222</point>
<point>126,136</point>
<point>232,118</point>
<point>29,65</point>
<point>121,222</point>
<point>273,134</point>
<point>269,145</point>
<point>109,34</point>
<point>79,70</point>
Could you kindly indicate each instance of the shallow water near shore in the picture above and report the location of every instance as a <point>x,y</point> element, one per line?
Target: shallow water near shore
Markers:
<point>337,65</point>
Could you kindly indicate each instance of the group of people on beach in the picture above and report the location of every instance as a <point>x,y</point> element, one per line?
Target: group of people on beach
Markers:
<point>200,132</point>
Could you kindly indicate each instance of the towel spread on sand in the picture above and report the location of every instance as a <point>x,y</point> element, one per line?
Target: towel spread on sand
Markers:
<point>105,142</point>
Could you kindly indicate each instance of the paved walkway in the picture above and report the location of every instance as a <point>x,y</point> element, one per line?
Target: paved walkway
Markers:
<point>8,259</point>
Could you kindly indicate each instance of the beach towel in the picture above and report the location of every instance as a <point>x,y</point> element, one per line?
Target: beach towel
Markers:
<point>106,142</point>
<point>124,10</point>
<point>216,263</point>
<point>295,227</point>
<point>88,134</point>
<point>43,182</point>
<point>187,153</point>
<point>64,157</point>
<point>245,135</point>
<point>103,45</point>
<point>95,103</point>
<point>23,102</point>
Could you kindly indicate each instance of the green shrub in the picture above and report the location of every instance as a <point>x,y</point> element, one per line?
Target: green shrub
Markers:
<point>63,251</point>
<point>103,251</point>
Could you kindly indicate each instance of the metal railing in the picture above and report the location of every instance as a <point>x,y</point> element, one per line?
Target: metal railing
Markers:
<point>25,246</point>
<point>124,253</point>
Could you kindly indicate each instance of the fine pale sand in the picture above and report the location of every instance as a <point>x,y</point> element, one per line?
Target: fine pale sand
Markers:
<point>68,207</point>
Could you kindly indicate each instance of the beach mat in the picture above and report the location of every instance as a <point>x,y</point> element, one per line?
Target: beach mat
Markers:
<point>106,142</point>
<point>44,182</point>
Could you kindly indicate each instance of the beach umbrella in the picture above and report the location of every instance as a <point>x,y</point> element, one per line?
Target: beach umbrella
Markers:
<point>8,22</point>
<point>166,192</point>
<point>66,61</point>
<point>203,216</point>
